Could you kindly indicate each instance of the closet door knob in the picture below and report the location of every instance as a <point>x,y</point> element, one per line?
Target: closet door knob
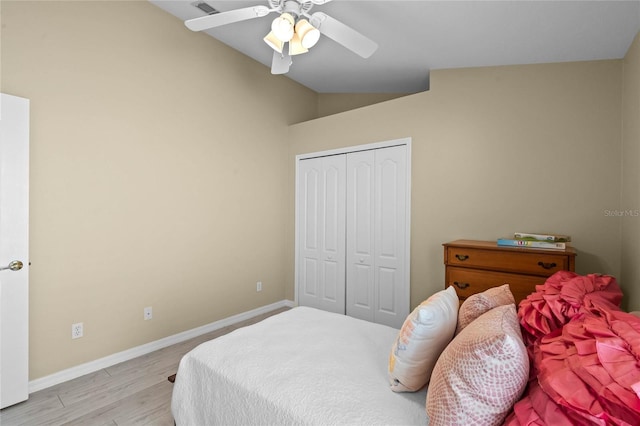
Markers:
<point>361,260</point>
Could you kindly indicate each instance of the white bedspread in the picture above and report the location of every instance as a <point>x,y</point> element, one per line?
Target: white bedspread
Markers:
<point>303,366</point>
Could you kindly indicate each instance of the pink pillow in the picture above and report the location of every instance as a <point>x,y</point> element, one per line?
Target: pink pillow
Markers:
<point>479,303</point>
<point>423,336</point>
<point>481,374</point>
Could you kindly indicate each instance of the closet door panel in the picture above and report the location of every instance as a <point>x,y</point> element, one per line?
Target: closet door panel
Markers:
<point>333,284</point>
<point>389,236</point>
<point>310,273</point>
<point>387,290</point>
<point>360,235</point>
<point>332,232</point>
<point>321,228</point>
<point>361,202</point>
<point>387,186</point>
<point>360,290</point>
<point>311,197</point>
<point>308,199</point>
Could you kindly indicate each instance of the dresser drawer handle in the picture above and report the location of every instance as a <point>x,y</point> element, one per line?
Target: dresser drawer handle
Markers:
<point>461,286</point>
<point>462,257</point>
<point>547,265</point>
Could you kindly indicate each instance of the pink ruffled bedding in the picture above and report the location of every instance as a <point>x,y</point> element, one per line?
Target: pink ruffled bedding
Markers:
<point>585,354</point>
<point>560,298</point>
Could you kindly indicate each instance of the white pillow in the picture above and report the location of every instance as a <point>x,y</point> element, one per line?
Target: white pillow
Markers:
<point>481,374</point>
<point>423,336</point>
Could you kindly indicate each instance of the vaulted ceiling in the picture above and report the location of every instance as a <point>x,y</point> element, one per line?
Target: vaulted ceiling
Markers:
<point>415,37</point>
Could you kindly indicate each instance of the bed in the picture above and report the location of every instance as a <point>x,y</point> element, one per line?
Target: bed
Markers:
<point>302,366</point>
<point>497,365</point>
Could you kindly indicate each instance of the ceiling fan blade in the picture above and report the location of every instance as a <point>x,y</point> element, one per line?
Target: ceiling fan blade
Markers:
<point>320,2</point>
<point>224,18</point>
<point>280,63</point>
<point>343,34</point>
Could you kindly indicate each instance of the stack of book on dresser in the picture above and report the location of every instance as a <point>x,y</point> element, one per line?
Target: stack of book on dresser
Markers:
<point>537,241</point>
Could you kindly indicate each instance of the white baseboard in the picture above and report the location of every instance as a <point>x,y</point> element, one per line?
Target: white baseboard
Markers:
<point>108,361</point>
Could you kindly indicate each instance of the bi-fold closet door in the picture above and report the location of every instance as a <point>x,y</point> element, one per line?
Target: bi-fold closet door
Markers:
<point>321,234</point>
<point>353,234</point>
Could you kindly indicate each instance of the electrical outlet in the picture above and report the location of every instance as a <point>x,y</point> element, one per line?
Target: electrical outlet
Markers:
<point>77,330</point>
<point>148,313</point>
<point>259,286</point>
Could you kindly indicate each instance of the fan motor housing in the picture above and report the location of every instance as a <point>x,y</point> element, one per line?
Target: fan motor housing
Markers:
<point>292,7</point>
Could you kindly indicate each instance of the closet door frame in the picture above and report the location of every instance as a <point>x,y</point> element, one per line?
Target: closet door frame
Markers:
<point>366,147</point>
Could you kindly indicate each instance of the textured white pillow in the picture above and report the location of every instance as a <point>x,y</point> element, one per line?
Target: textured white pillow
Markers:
<point>481,374</point>
<point>422,338</point>
<point>479,303</point>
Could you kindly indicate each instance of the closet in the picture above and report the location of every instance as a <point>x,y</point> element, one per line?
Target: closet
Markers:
<point>352,232</point>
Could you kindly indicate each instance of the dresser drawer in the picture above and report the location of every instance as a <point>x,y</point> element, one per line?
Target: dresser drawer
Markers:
<point>470,281</point>
<point>522,260</point>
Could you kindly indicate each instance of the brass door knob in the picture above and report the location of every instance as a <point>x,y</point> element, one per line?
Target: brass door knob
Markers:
<point>15,265</point>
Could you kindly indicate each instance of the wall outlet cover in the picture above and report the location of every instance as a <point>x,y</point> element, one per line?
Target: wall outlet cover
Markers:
<point>77,330</point>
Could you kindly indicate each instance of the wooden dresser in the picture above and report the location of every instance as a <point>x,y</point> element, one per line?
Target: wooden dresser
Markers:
<point>474,266</point>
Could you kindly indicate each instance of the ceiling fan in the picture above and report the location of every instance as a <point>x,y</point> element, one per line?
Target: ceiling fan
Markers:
<point>294,27</point>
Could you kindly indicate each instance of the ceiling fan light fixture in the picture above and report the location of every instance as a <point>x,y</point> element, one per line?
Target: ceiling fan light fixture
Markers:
<point>295,46</point>
<point>309,35</point>
<point>283,26</point>
<point>274,42</point>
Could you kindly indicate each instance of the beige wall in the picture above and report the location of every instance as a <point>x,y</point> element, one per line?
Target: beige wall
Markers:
<point>334,103</point>
<point>158,175</point>
<point>630,275</point>
<point>497,150</point>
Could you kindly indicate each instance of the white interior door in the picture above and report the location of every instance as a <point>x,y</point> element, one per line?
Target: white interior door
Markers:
<point>377,233</point>
<point>321,228</point>
<point>14,250</point>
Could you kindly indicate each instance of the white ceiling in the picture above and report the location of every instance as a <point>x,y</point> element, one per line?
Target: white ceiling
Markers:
<point>417,36</point>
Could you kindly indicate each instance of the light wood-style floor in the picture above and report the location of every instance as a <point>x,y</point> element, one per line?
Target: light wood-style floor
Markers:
<point>135,392</point>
